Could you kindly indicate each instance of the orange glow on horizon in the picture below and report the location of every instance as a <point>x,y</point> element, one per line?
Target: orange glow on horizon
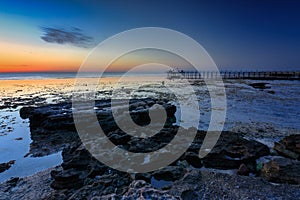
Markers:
<point>53,58</point>
<point>26,58</point>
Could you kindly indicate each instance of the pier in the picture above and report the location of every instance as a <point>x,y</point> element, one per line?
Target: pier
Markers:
<point>254,75</point>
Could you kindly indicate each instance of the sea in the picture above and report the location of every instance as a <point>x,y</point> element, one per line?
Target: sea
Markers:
<point>65,75</point>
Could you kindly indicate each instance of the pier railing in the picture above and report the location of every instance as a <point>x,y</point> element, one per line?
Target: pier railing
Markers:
<point>255,75</point>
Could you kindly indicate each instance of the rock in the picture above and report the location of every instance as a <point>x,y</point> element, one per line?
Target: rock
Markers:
<point>260,85</point>
<point>113,184</point>
<point>26,112</point>
<point>118,137</point>
<point>292,143</point>
<point>76,156</point>
<point>7,103</point>
<point>143,176</point>
<point>189,194</point>
<point>6,166</point>
<point>2,107</point>
<point>78,165</point>
<point>11,183</point>
<point>169,173</point>
<point>52,126</point>
<point>289,147</point>
<point>281,149</point>
<point>141,190</point>
<point>282,170</point>
<point>193,159</point>
<point>232,150</point>
<point>198,140</point>
<point>67,179</point>
<point>139,105</point>
<point>243,170</point>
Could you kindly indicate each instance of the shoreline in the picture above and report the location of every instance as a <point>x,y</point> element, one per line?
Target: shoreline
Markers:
<point>248,131</point>
<point>257,136</point>
<point>82,175</point>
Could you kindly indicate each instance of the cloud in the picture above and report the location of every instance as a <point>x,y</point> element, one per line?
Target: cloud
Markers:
<point>73,36</point>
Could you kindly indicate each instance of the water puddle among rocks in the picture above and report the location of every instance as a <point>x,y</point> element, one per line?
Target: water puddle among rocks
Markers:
<point>159,184</point>
<point>15,143</point>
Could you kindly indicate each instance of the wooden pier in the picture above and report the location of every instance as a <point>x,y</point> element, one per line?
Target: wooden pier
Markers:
<point>254,75</point>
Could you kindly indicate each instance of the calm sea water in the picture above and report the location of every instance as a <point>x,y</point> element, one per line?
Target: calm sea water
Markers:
<point>62,75</point>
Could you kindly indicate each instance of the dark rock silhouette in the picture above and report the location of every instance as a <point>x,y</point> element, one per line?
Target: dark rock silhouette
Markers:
<point>282,170</point>
<point>6,166</point>
<point>289,147</point>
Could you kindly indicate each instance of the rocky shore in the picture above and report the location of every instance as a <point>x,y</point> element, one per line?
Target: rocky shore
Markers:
<point>237,167</point>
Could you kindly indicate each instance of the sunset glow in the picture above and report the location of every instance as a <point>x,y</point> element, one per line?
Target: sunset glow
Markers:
<point>57,36</point>
<point>26,58</point>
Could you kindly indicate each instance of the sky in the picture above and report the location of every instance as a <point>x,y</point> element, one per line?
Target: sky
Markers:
<point>57,35</point>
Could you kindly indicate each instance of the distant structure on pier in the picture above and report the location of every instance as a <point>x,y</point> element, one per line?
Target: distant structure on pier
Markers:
<point>254,75</point>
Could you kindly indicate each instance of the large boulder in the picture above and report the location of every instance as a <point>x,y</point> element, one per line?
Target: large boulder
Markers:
<point>232,150</point>
<point>282,170</point>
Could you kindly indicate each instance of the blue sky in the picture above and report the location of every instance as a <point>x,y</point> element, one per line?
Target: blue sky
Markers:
<point>237,34</point>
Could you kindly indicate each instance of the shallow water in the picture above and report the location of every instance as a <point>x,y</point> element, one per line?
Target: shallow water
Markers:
<point>246,104</point>
<point>15,144</point>
<point>159,184</point>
